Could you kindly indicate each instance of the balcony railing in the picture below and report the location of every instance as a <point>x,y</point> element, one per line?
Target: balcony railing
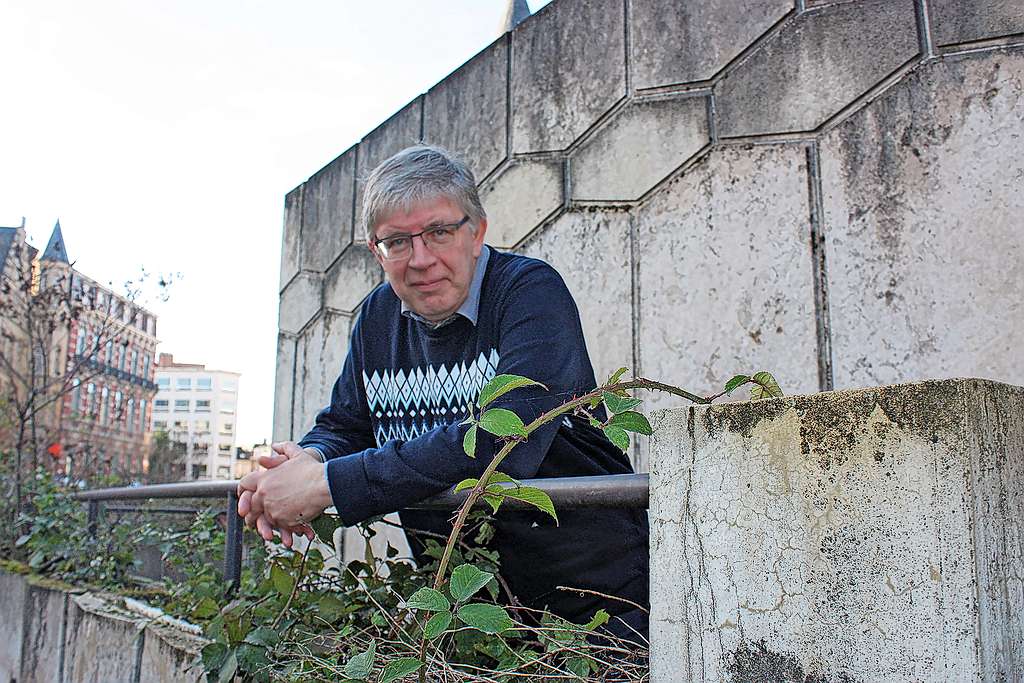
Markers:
<point>611,491</point>
<point>113,371</point>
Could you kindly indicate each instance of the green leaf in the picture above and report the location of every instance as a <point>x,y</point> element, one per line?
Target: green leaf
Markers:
<point>735,382</point>
<point>330,607</point>
<point>502,422</point>
<point>618,436</point>
<point>324,527</point>
<point>428,599</point>
<point>494,500</point>
<point>263,636</point>
<point>214,655</point>
<point>502,384</point>
<point>228,669</point>
<point>397,668</point>
<point>22,540</point>
<point>437,625</point>
<point>533,496</point>
<point>619,404</point>
<point>465,484</point>
<point>600,619</point>
<point>466,581</point>
<point>580,666</point>
<point>632,422</point>
<point>485,617</point>
<point>360,666</point>
<point>616,376</point>
<point>206,608</point>
<point>469,442</point>
<point>282,580</point>
<point>765,386</point>
<point>251,658</point>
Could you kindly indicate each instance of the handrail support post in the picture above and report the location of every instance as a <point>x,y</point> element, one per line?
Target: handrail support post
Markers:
<point>233,546</point>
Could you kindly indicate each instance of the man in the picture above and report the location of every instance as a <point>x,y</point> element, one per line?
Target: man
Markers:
<point>452,314</point>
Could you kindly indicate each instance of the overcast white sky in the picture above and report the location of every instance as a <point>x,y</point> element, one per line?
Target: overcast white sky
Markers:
<point>165,135</point>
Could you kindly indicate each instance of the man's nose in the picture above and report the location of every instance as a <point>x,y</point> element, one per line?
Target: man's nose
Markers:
<point>421,257</point>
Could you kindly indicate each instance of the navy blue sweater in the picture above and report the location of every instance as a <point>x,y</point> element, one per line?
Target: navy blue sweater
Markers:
<point>392,435</point>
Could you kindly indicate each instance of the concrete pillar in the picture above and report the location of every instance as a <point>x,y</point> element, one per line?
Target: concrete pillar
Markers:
<point>868,535</point>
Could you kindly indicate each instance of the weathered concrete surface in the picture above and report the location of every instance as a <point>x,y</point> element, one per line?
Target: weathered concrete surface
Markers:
<point>725,273</point>
<point>327,212</point>
<point>817,64</point>
<point>284,387</point>
<point>645,142</point>
<point>568,68</point>
<point>922,195</point>
<point>170,654</point>
<point>300,301</point>
<point>320,352</point>
<point>467,112</point>
<point>591,250</point>
<point>12,607</point>
<point>44,634</point>
<point>869,535</point>
<point>678,42</point>
<point>961,21</point>
<point>522,196</point>
<point>290,236</point>
<point>387,139</point>
<point>351,278</point>
<point>96,626</point>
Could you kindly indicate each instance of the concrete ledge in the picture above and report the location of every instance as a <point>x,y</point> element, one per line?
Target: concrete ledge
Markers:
<point>868,535</point>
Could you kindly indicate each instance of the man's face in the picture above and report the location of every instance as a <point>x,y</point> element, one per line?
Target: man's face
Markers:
<point>432,281</point>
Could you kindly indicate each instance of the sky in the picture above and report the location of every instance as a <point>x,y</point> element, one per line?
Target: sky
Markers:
<point>165,134</point>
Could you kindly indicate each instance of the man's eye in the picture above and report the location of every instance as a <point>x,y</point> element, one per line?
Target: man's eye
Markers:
<point>397,243</point>
<point>441,231</point>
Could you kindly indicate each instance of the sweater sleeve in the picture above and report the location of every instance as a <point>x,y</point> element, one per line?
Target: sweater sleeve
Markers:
<point>539,337</point>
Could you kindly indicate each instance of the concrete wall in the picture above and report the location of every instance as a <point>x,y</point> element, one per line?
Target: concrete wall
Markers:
<point>829,190</point>
<point>50,635</point>
<point>864,535</point>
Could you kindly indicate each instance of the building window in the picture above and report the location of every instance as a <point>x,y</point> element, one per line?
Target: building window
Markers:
<point>159,405</point>
<point>199,471</point>
<point>131,415</point>
<point>224,472</point>
<point>183,384</point>
<point>90,394</point>
<point>227,428</point>
<point>229,385</point>
<point>76,395</point>
<point>202,406</point>
<point>227,406</point>
<point>135,362</point>
<point>108,356</point>
<point>145,366</point>
<point>80,341</point>
<point>160,425</point>
<point>224,449</point>
<point>104,406</point>
<point>122,352</point>
<point>204,384</point>
<point>180,426</point>
<point>181,405</point>
<point>142,412</point>
<point>201,426</point>
<point>117,406</point>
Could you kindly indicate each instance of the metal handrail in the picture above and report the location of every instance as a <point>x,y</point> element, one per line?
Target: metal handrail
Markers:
<point>608,491</point>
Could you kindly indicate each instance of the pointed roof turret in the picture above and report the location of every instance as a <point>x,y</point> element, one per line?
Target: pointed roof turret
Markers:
<point>516,11</point>
<point>55,250</point>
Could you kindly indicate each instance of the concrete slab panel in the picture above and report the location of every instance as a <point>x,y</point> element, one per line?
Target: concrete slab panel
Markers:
<point>568,68</point>
<point>817,64</point>
<point>43,658</point>
<point>963,21</point>
<point>300,301</point>
<point>590,249</point>
<point>94,626</point>
<point>467,112</point>
<point>170,654</point>
<point>290,235</point>
<point>922,196</point>
<point>725,273</point>
<point>402,130</point>
<point>680,42</point>
<point>351,278</point>
<point>519,199</point>
<point>321,353</point>
<point>639,147</point>
<point>284,387</point>
<point>327,212</point>
<point>12,606</point>
<point>834,537</point>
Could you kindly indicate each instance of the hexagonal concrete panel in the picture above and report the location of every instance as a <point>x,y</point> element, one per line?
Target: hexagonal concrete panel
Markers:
<point>962,21</point>
<point>519,199</point>
<point>568,68</point>
<point>467,112</point>
<point>590,249</point>
<point>300,301</point>
<point>638,147</point>
<point>327,212</point>
<point>725,273</point>
<point>291,234</point>
<point>923,205</point>
<point>284,387</point>
<point>351,278</point>
<point>817,64</point>
<point>680,42</point>
<point>320,355</point>
<point>398,132</point>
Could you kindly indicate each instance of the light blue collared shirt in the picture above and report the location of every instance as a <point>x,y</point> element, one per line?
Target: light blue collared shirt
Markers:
<point>470,308</point>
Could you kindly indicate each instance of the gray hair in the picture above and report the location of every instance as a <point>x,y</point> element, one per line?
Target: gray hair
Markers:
<point>417,174</point>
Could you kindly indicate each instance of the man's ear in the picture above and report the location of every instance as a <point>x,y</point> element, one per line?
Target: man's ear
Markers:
<point>478,238</point>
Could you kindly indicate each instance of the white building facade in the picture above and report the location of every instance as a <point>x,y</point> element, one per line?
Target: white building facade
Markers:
<point>198,407</point>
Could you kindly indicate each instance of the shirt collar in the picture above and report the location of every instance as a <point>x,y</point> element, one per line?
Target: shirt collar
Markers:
<point>470,308</point>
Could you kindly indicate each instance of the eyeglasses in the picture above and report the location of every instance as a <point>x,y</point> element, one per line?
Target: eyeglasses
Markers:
<point>399,247</point>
